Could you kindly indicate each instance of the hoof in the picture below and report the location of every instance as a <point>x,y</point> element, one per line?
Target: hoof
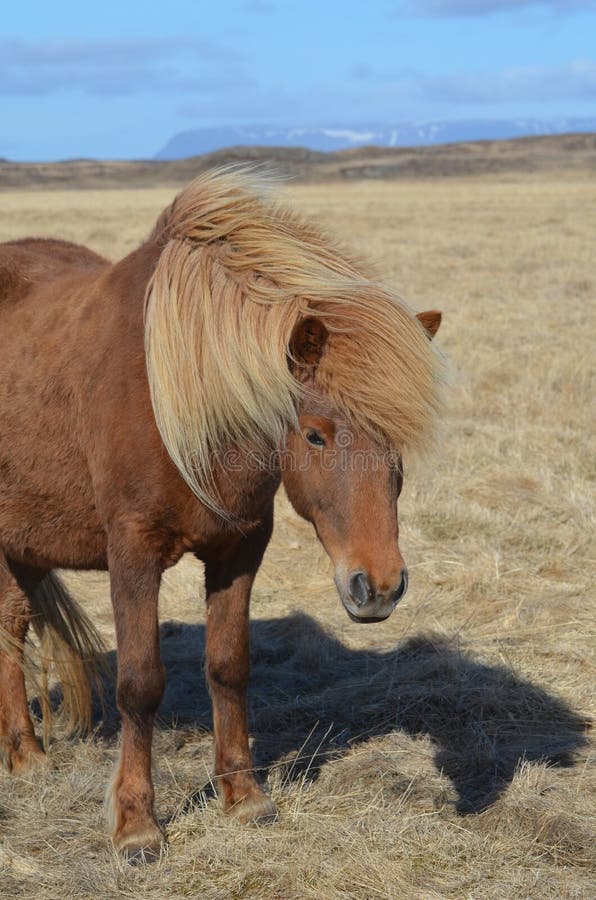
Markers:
<point>142,844</point>
<point>258,808</point>
<point>22,762</point>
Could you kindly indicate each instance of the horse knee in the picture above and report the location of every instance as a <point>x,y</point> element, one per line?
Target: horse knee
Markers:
<point>139,693</point>
<point>227,671</point>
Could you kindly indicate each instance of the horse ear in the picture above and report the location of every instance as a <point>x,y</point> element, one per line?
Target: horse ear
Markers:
<point>430,321</point>
<point>307,343</point>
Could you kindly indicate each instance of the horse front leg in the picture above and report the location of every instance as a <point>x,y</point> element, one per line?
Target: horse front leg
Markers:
<point>227,662</point>
<point>135,579</point>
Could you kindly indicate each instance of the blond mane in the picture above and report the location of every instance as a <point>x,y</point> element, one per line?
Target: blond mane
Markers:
<point>237,272</point>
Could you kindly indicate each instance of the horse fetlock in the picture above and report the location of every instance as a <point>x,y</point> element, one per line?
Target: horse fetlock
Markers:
<point>21,756</point>
<point>252,805</point>
<point>135,832</point>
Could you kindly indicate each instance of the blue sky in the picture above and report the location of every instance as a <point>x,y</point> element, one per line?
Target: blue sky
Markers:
<point>118,79</point>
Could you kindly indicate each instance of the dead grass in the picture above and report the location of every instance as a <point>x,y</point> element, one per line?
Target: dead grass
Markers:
<point>442,754</point>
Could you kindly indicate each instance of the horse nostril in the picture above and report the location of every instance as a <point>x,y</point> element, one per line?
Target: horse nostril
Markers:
<point>403,586</point>
<point>359,588</point>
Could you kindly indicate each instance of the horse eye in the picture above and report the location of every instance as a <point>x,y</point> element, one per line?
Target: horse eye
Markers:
<point>313,437</point>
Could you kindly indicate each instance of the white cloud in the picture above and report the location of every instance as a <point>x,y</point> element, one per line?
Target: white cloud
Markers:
<point>116,66</point>
<point>487,7</point>
<point>576,81</point>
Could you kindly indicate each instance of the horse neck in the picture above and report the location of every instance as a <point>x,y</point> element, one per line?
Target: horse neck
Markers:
<point>130,275</point>
<point>246,482</point>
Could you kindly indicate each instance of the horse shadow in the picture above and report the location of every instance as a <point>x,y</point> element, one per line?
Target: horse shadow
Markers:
<point>311,698</point>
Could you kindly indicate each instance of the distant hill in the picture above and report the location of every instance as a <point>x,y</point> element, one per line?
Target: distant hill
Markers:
<point>558,155</point>
<point>209,140</point>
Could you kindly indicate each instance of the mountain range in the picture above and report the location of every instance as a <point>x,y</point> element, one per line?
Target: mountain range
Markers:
<point>207,140</point>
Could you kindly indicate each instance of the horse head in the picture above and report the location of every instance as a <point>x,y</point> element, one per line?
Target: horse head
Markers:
<point>346,481</point>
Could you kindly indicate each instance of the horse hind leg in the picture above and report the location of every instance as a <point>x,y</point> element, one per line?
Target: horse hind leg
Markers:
<point>19,748</point>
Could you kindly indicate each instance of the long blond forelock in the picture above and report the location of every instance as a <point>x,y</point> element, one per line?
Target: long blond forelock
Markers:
<point>236,274</point>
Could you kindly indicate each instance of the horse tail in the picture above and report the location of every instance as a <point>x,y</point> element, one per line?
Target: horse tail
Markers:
<point>72,646</point>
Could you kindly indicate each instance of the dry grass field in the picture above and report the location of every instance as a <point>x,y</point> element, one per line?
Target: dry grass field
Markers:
<point>445,752</point>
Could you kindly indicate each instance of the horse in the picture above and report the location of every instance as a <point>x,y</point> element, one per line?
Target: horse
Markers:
<point>151,408</point>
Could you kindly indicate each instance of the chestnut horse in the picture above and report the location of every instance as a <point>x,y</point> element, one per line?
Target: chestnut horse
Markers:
<point>150,408</point>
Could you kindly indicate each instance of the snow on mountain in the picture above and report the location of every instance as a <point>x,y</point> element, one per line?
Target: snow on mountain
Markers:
<point>207,140</point>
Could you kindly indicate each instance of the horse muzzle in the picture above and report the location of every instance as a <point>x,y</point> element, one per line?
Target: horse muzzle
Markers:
<point>365,604</point>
